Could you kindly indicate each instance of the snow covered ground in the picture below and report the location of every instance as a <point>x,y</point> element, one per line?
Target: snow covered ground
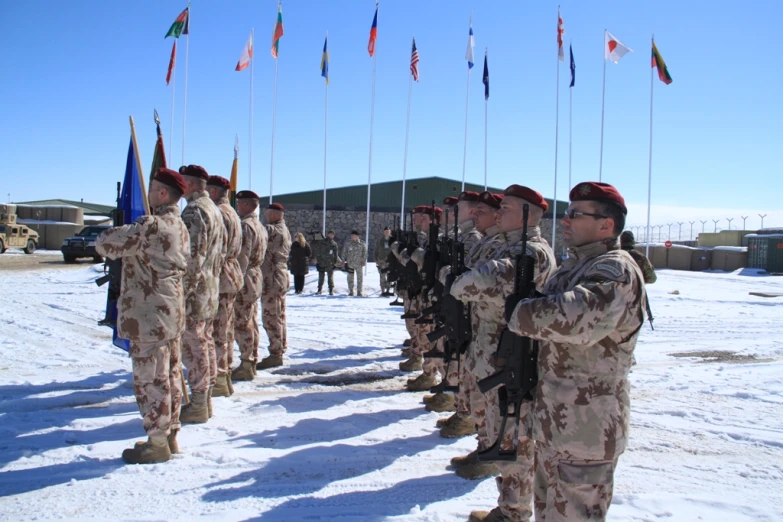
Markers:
<point>330,436</point>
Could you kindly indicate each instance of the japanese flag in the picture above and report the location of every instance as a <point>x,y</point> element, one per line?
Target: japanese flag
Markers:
<point>614,49</point>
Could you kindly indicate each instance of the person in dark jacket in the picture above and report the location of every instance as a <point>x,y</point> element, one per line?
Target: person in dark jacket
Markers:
<point>299,261</point>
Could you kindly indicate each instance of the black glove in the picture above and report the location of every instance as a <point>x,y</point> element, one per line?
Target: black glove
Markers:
<point>511,303</point>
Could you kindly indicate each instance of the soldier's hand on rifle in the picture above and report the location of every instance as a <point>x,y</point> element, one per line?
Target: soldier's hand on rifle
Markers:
<point>511,303</point>
<point>449,281</point>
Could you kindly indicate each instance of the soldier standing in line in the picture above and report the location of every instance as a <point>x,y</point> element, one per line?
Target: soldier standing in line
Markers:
<point>231,281</point>
<point>380,255</point>
<point>486,287</point>
<point>326,256</point>
<point>587,326</point>
<point>151,312</point>
<point>276,283</point>
<point>251,256</point>
<point>355,257</point>
<point>627,243</point>
<point>202,286</point>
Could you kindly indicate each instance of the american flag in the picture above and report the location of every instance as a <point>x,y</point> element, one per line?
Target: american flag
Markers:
<point>415,62</point>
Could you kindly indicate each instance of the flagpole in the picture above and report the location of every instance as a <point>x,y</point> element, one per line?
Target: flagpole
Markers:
<point>326,127</point>
<point>272,156</point>
<point>369,166</point>
<point>138,168</point>
<point>250,145</point>
<point>649,163</point>
<point>557,131</point>
<point>603,101</point>
<point>486,111</point>
<point>570,128</point>
<point>173,90</point>
<point>185,104</point>
<point>405,157</point>
<point>465,146</point>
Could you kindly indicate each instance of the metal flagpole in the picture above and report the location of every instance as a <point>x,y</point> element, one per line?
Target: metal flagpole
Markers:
<point>369,166</point>
<point>486,111</point>
<point>405,158</point>
<point>326,126</point>
<point>557,130</point>
<point>603,101</point>
<point>570,127</point>
<point>171,129</point>
<point>250,145</point>
<point>185,104</point>
<point>272,156</point>
<point>467,103</point>
<point>649,161</point>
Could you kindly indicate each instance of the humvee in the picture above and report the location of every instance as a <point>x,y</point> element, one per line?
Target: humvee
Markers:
<point>13,234</point>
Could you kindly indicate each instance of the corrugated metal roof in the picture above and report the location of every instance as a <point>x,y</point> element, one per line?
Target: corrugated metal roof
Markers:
<point>89,208</point>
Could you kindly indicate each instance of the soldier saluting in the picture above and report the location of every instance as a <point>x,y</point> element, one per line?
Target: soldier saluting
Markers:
<point>151,312</point>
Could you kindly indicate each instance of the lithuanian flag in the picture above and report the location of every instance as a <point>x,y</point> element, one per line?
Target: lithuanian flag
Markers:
<point>657,61</point>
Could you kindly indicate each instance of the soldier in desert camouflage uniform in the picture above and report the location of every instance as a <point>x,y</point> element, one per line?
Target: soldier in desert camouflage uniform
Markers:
<point>230,282</point>
<point>355,257</point>
<point>486,287</point>
<point>276,283</point>
<point>202,285</point>
<point>587,326</point>
<point>151,312</point>
<point>251,257</point>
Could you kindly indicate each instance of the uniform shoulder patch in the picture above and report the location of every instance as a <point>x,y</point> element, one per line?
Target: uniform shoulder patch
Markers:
<point>611,269</point>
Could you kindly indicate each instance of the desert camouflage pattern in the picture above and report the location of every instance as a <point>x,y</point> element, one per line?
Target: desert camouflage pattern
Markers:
<point>587,327</point>
<point>355,255</point>
<point>196,341</point>
<point>469,236</point>
<point>231,279</point>
<point>251,256</point>
<point>276,282</point>
<point>648,271</point>
<point>157,384</point>
<point>246,331</point>
<point>154,250</point>
<point>223,333</point>
<point>476,253</point>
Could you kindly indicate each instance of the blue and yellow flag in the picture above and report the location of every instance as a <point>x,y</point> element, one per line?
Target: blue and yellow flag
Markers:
<point>325,62</point>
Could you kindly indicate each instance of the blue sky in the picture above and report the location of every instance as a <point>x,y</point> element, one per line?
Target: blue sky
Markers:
<point>74,72</point>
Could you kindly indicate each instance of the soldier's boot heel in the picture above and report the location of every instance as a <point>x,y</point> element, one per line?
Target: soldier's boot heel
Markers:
<point>172,440</point>
<point>220,389</point>
<point>270,361</point>
<point>196,411</point>
<point>244,372</point>
<point>488,516</point>
<point>421,383</point>
<point>411,365</point>
<point>155,450</point>
<point>442,402</point>
<point>461,426</point>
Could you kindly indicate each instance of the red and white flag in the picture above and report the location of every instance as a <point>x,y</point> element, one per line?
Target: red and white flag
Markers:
<point>614,49</point>
<point>247,54</point>
<point>560,31</point>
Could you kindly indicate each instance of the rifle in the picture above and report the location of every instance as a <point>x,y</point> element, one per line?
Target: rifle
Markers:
<point>113,270</point>
<point>519,375</point>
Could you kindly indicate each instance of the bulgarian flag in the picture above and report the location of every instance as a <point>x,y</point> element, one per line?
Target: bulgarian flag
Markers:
<point>181,25</point>
<point>278,31</point>
<point>657,61</point>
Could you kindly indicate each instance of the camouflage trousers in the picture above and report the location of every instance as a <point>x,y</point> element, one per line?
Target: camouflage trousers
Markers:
<point>478,365</point>
<point>459,375</point>
<point>419,341</point>
<point>330,274</point>
<point>515,482</point>
<point>223,333</point>
<point>569,489</point>
<point>246,329</point>
<point>157,385</point>
<point>384,276</point>
<point>273,317</point>
<point>358,272</point>
<point>198,354</point>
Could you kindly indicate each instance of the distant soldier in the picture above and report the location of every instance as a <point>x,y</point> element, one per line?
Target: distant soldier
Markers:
<point>587,326</point>
<point>380,255</point>
<point>251,256</point>
<point>627,243</point>
<point>231,281</point>
<point>202,287</point>
<point>355,257</point>
<point>151,312</point>
<point>276,283</point>
<point>327,257</point>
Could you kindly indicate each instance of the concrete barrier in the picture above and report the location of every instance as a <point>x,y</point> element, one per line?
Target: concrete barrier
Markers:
<point>701,259</point>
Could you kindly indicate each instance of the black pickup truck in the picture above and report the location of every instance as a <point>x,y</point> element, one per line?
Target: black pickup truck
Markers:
<point>83,244</point>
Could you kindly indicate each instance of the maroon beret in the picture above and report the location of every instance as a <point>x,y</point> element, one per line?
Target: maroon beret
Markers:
<point>469,195</point>
<point>427,209</point>
<point>493,200</point>
<point>449,201</point>
<point>219,181</point>
<point>247,194</point>
<point>528,194</point>
<point>597,191</point>
<point>276,206</point>
<point>195,171</point>
<point>170,178</point>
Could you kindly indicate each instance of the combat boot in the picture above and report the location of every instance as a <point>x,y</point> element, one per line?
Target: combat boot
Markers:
<point>195,412</point>
<point>411,365</point>
<point>475,469</point>
<point>270,361</point>
<point>406,352</point>
<point>441,423</point>
<point>465,459</point>
<point>331,291</point>
<point>350,293</point>
<point>244,372</point>
<point>320,291</point>
<point>442,402</point>
<point>155,450</point>
<point>421,383</point>
<point>488,516</point>
<point>172,440</point>
<point>220,389</point>
<point>429,398</point>
<point>407,342</point>
<point>209,402</point>
<point>461,425</point>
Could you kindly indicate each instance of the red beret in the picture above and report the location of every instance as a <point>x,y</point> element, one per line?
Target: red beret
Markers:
<point>195,171</point>
<point>528,194</point>
<point>449,201</point>
<point>247,194</point>
<point>218,181</point>
<point>469,195</point>
<point>276,206</point>
<point>596,191</point>
<point>170,178</point>
<point>427,209</point>
<point>493,200</point>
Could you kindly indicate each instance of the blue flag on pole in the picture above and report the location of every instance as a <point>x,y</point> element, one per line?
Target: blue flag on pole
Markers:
<point>573,66</point>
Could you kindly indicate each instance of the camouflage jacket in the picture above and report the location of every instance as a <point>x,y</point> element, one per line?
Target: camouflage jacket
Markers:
<point>251,256</point>
<point>382,250</point>
<point>207,252</point>
<point>151,307</point>
<point>477,252</point>
<point>587,326</point>
<point>648,271</point>
<point>231,279</point>
<point>275,267</point>
<point>325,252</point>
<point>355,253</point>
<point>469,236</point>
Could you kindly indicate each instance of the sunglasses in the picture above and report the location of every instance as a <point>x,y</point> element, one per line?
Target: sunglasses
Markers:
<point>575,213</point>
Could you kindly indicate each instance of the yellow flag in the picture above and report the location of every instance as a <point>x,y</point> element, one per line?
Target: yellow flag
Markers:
<point>233,181</point>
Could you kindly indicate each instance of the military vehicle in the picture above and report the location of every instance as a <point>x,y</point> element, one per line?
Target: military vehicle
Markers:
<point>83,244</point>
<point>13,234</point>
